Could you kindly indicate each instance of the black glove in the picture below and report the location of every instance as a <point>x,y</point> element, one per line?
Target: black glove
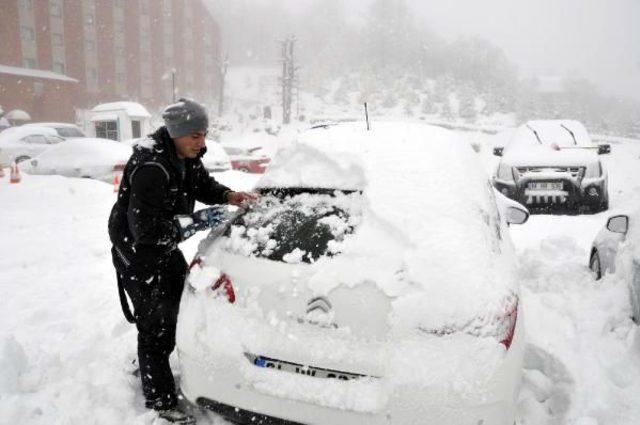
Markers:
<point>203,219</point>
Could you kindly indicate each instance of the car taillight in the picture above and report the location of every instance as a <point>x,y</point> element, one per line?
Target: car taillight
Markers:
<point>197,261</point>
<point>507,325</point>
<point>224,285</point>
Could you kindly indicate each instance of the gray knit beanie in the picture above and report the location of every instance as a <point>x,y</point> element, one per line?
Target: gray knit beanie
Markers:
<point>185,117</point>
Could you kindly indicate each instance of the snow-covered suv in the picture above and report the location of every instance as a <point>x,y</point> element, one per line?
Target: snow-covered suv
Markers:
<point>553,163</point>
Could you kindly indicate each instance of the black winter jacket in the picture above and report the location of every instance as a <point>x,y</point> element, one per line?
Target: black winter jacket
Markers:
<point>154,189</point>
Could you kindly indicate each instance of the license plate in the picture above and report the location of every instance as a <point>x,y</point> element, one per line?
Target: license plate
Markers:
<point>299,369</point>
<point>545,185</point>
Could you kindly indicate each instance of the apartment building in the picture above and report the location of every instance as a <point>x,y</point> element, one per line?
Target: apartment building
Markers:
<point>59,56</point>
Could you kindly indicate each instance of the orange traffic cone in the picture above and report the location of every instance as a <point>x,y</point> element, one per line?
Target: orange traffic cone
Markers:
<point>14,177</point>
<point>116,182</point>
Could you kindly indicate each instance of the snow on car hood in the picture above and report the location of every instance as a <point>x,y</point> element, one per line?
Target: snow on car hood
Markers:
<point>545,156</point>
<point>430,235</point>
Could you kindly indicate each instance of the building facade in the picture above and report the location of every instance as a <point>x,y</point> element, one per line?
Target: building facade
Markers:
<point>61,56</point>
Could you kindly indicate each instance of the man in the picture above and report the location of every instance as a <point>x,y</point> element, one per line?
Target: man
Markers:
<point>154,212</point>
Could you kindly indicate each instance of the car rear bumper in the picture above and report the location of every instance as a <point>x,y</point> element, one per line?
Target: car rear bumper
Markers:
<point>590,192</point>
<point>219,384</point>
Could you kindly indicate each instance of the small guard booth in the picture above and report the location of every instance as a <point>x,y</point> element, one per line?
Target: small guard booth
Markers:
<point>119,121</point>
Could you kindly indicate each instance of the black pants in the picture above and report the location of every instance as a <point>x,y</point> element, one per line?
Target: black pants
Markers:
<point>155,293</point>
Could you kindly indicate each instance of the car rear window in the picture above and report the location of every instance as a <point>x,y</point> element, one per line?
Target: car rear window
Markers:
<point>296,225</point>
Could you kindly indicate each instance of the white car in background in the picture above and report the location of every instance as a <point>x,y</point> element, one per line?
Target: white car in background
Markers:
<point>357,292</point>
<point>216,159</point>
<point>88,158</point>
<point>22,143</point>
<point>616,249</point>
<point>64,130</point>
<point>553,164</point>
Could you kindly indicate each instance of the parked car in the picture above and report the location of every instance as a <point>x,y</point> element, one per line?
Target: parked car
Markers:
<point>64,130</point>
<point>24,142</point>
<point>553,163</point>
<point>88,158</point>
<point>357,292</point>
<point>616,249</point>
<point>216,159</point>
<point>247,158</point>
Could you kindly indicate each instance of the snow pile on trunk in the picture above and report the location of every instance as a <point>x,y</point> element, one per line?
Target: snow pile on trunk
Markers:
<point>430,232</point>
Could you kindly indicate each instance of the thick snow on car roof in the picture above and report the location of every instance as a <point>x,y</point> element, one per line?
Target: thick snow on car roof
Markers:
<point>430,231</point>
<point>85,153</point>
<point>16,133</point>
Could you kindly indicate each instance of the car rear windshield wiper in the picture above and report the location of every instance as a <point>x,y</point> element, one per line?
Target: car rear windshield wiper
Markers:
<point>573,136</point>
<point>534,132</point>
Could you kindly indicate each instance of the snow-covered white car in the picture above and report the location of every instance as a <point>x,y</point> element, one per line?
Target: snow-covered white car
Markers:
<point>216,159</point>
<point>553,163</point>
<point>64,130</point>
<point>248,159</point>
<point>25,142</point>
<point>359,292</point>
<point>89,158</point>
<point>616,249</point>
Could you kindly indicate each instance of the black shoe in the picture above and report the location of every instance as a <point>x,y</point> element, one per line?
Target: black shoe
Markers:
<point>176,416</point>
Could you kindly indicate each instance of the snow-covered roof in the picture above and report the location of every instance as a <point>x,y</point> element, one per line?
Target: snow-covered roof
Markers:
<point>35,73</point>
<point>133,109</point>
<point>85,152</point>
<point>51,124</point>
<point>16,133</point>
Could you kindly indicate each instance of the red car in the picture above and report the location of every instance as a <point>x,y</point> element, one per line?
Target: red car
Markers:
<point>247,159</point>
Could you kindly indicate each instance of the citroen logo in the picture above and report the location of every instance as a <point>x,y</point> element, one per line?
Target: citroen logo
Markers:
<point>319,303</point>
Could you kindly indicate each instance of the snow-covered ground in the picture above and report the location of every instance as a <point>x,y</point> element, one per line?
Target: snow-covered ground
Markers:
<point>66,350</point>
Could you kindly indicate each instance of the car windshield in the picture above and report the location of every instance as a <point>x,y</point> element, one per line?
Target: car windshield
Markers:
<point>296,225</point>
<point>69,132</point>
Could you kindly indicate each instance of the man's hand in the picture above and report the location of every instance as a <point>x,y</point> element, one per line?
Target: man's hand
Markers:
<point>240,199</point>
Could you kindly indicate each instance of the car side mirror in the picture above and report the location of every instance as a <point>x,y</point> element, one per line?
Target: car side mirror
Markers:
<point>497,151</point>
<point>604,149</point>
<point>517,215</point>
<point>618,224</point>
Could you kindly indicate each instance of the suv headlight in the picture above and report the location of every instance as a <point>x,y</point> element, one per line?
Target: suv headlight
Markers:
<point>593,170</point>
<point>505,172</point>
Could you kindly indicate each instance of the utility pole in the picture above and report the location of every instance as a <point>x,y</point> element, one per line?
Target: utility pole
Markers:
<point>173,84</point>
<point>288,77</point>
<point>222,73</point>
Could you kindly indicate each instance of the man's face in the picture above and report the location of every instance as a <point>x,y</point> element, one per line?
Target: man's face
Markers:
<point>189,146</point>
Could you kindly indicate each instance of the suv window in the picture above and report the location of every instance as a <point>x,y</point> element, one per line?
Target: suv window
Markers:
<point>295,225</point>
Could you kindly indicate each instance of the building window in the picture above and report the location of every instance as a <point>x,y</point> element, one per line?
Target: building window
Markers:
<point>29,63</point>
<point>27,33</point>
<point>56,39</point>
<point>120,77</point>
<point>119,27</point>
<point>56,10</point>
<point>26,4</point>
<point>58,67</point>
<point>90,45</point>
<point>107,130</point>
<point>136,131</point>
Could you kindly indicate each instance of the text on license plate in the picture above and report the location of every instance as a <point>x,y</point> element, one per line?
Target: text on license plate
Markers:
<point>315,372</point>
<point>545,185</point>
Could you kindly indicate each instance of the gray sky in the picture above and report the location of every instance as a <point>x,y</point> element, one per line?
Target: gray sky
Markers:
<point>596,39</point>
